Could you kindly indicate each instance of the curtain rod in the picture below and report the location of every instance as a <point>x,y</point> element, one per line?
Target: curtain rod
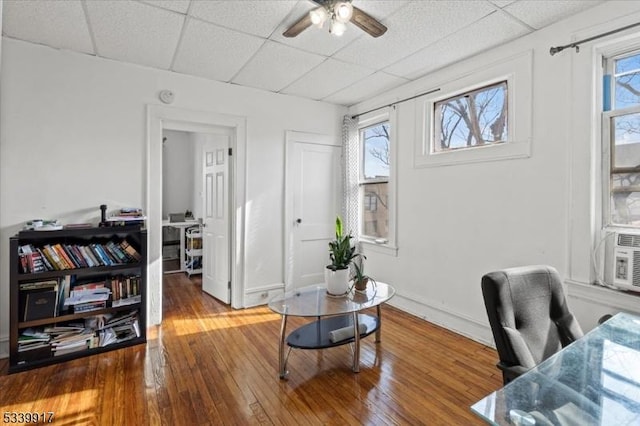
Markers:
<point>396,102</point>
<point>575,44</point>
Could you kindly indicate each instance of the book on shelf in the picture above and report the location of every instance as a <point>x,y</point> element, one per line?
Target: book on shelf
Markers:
<point>39,300</point>
<point>132,252</point>
<point>66,261</point>
<point>40,304</point>
<point>60,257</point>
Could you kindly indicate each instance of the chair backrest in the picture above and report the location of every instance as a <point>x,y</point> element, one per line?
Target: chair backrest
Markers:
<point>528,314</point>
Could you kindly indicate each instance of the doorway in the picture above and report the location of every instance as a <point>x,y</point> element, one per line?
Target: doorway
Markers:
<point>160,118</point>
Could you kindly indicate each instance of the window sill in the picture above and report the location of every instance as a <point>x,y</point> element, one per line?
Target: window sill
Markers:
<point>602,295</point>
<point>374,247</point>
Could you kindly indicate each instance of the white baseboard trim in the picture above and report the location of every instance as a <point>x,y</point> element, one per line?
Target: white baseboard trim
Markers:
<point>261,295</point>
<point>4,347</point>
<point>444,317</point>
<point>604,296</point>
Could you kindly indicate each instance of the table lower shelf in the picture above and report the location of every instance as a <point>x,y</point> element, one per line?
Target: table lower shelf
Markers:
<point>315,335</point>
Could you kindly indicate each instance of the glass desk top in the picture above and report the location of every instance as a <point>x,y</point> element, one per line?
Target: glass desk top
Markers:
<point>593,381</point>
<point>313,301</point>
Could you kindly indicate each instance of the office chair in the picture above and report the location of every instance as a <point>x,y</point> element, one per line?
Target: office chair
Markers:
<point>529,317</point>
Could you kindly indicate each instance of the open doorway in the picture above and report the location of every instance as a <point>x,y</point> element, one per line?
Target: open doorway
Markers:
<point>196,224</point>
<point>211,126</point>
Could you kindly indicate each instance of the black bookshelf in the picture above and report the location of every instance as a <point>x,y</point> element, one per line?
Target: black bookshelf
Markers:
<point>77,273</point>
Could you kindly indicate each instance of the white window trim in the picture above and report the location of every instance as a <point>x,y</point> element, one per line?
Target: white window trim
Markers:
<point>606,141</point>
<point>389,247</point>
<point>517,71</point>
<point>607,51</point>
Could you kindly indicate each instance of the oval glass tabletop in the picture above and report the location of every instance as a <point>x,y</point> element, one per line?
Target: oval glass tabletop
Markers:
<point>313,300</point>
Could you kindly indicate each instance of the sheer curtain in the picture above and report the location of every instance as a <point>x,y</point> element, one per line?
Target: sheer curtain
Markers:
<point>351,170</point>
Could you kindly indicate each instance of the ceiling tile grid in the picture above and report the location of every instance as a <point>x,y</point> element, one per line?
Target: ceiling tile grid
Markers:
<point>209,51</point>
<point>490,31</point>
<point>259,18</point>
<point>365,88</point>
<point>540,13</point>
<point>327,78</point>
<point>134,32</point>
<point>418,24</point>
<point>275,66</point>
<point>241,41</point>
<point>58,24</point>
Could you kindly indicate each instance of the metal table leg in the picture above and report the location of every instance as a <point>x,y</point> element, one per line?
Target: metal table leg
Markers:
<point>356,344</point>
<point>378,331</point>
<point>281,356</point>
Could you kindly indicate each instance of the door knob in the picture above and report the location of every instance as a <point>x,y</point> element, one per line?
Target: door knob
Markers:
<point>298,221</point>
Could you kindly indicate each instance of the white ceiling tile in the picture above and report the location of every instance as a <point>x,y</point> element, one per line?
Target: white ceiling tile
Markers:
<point>254,17</point>
<point>363,89</point>
<point>180,6</point>
<point>540,13</point>
<point>57,24</point>
<point>490,31</point>
<point>214,52</point>
<point>326,79</point>
<point>276,66</point>
<point>135,32</point>
<point>414,26</point>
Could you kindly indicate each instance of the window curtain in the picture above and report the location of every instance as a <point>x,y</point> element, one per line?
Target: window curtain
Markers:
<point>351,171</point>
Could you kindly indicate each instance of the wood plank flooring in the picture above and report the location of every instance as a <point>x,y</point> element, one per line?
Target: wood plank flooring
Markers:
<point>208,364</point>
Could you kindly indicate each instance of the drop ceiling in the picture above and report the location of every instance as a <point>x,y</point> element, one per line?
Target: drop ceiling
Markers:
<point>241,41</point>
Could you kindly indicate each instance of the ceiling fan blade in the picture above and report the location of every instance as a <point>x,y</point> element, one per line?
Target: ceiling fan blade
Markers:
<point>301,25</point>
<point>367,23</point>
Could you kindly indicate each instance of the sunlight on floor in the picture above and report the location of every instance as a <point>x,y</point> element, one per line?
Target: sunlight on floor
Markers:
<point>221,321</point>
<point>79,409</point>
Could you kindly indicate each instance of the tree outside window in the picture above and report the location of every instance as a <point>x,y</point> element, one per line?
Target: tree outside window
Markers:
<point>472,119</point>
<point>624,144</point>
<point>374,181</point>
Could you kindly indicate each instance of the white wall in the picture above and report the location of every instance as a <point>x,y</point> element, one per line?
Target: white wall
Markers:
<point>456,223</point>
<point>73,137</point>
<point>178,163</point>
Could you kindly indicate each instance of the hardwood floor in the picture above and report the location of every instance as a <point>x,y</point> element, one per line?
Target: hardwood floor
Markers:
<point>208,364</point>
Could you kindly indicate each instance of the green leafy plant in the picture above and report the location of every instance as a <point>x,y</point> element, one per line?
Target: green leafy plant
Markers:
<point>360,280</point>
<point>341,251</point>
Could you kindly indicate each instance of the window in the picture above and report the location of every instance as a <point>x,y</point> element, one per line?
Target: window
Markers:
<point>374,181</point>
<point>621,138</point>
<point>472,119</point>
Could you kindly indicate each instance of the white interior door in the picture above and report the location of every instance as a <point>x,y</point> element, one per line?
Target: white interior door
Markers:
<point>215,218</point>
<point>314,190</point>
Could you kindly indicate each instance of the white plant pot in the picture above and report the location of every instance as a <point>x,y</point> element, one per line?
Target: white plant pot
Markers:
<point>337,281</point>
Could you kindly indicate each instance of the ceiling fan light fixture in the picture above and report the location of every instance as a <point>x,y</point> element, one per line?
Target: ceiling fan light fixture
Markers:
<point>337,28</point>
<point>343,11</point>
<point>318,16</point>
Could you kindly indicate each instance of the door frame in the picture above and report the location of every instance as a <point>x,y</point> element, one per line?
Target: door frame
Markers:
<point>161,117</point>
<point>291,137</point>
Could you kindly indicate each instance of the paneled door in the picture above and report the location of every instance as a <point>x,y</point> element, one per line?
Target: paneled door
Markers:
<point>313,196</point>
<point>216,229</point>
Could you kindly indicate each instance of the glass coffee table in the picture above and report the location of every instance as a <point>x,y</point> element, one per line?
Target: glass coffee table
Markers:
<point>338,319</point>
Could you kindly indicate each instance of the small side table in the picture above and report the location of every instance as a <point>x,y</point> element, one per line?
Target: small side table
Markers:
<point>332,313</point>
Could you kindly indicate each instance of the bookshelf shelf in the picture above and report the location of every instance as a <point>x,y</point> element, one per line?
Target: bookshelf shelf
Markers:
<point>102,266</point>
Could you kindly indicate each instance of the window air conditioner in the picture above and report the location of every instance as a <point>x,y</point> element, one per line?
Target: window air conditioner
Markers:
<point>622,262</point>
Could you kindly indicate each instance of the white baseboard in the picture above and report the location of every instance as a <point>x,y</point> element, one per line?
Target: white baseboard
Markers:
<point>440,315</point>
<point>261,295</point>
<point>4,347</point>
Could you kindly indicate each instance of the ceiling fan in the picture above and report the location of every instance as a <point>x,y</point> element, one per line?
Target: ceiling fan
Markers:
<point>337,13</point>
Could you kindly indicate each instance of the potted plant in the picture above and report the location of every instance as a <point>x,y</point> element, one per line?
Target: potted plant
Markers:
<point>360,280</point>
<point>341,253</point>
